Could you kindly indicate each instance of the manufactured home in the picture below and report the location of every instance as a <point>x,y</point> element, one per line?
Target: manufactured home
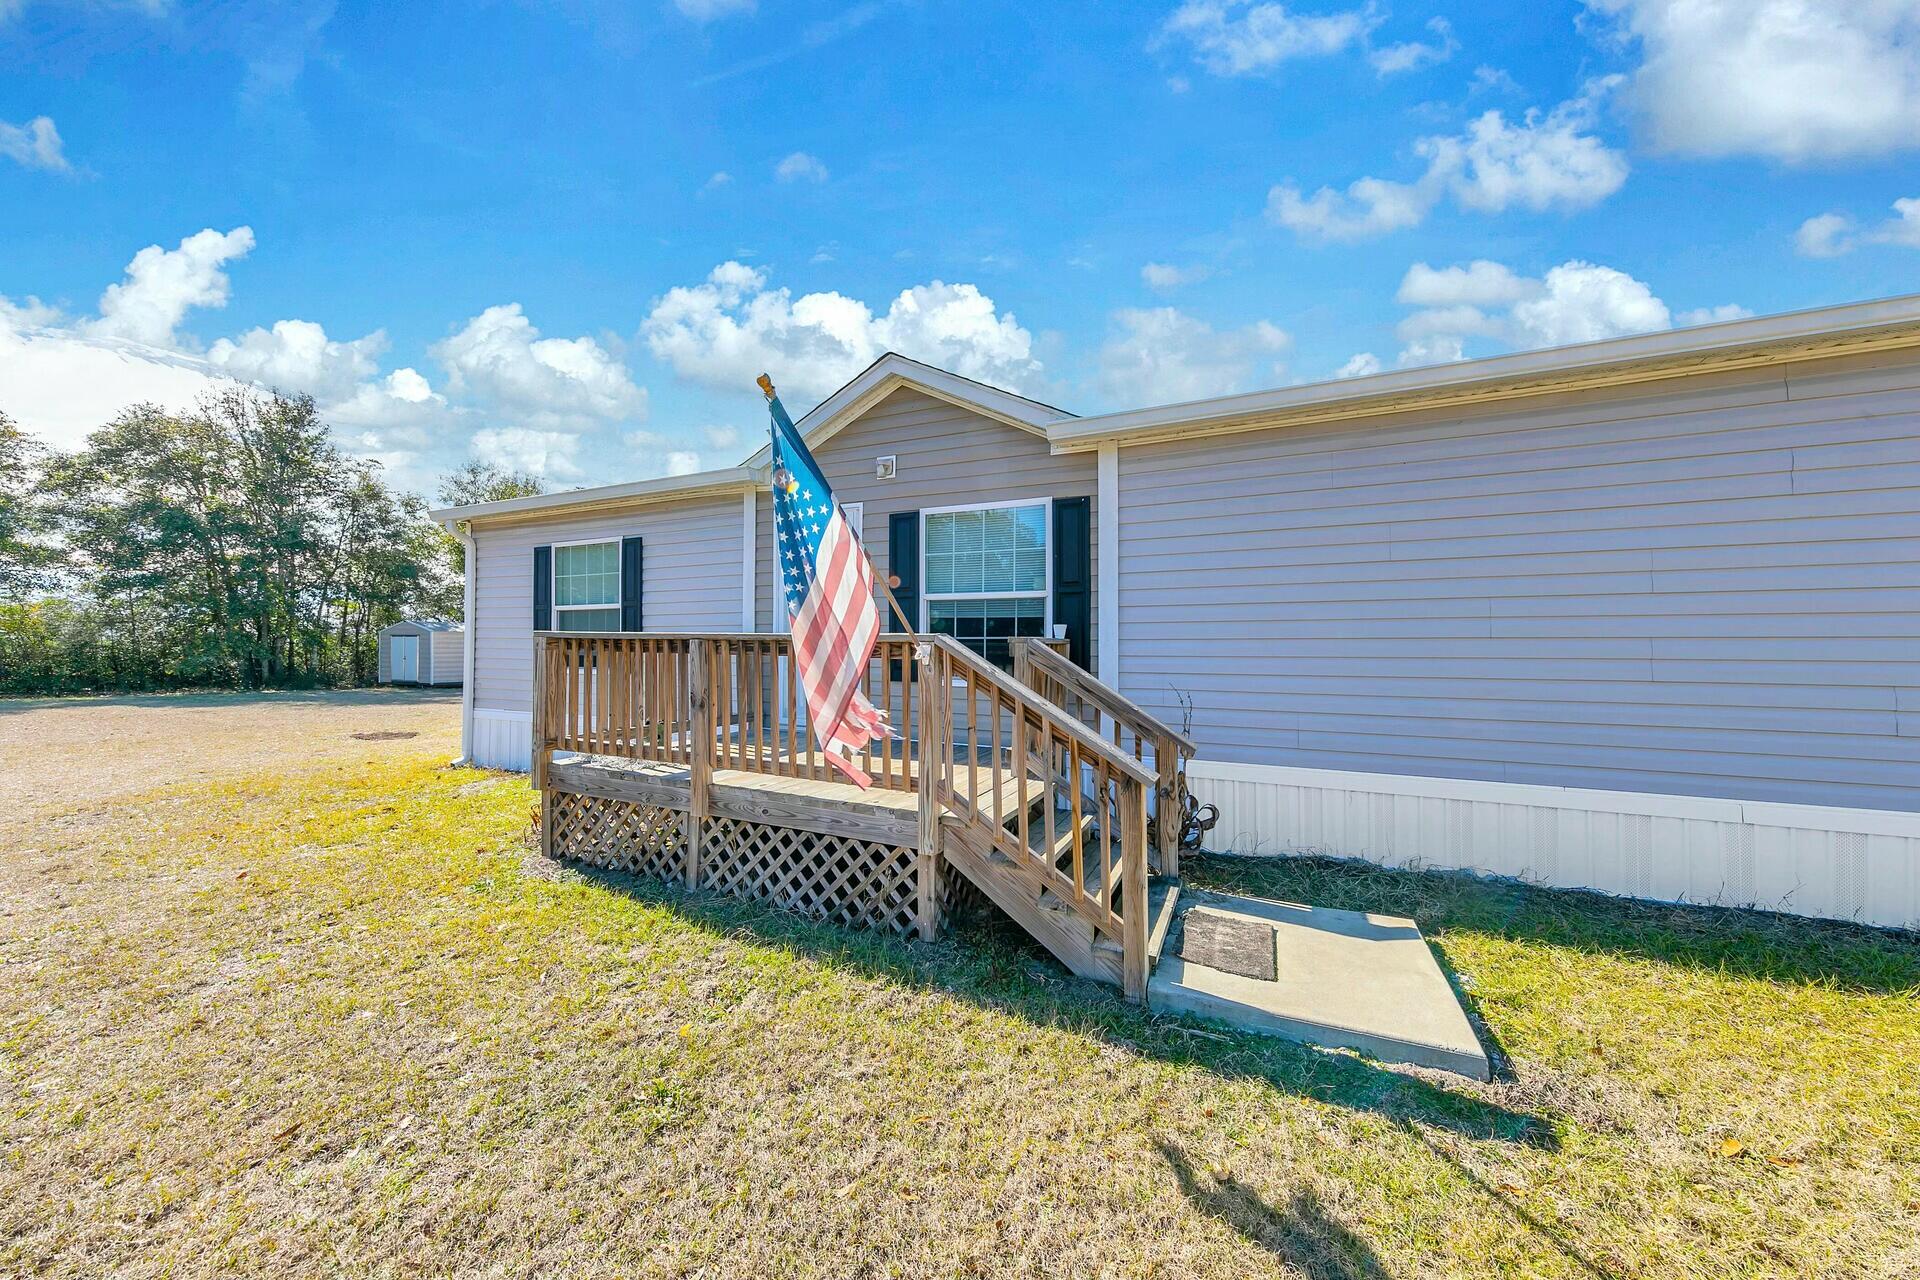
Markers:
<point>1640,615</point>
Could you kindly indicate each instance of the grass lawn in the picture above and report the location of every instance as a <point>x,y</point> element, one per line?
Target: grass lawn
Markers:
<point>343,1022</point>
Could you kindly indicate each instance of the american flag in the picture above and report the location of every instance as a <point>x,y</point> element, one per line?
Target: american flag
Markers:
<point>830,605</point>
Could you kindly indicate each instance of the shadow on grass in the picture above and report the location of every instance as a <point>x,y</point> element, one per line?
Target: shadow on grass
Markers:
<point>1300,1233</point>
<point>994,964</point>
<point>200,699</point>
<point>1764,945</point>
<point>1505,1203</point>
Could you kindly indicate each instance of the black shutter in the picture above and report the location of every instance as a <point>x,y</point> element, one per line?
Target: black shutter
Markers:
<point>630,580</point>
<point>1073,576</point>
<point>542,589</point>
<point>903,562</point>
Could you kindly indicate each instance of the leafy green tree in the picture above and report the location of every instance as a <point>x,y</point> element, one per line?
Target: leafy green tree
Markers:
<point>27,561</point>
<point>230,545</point>
<point>476,482</point>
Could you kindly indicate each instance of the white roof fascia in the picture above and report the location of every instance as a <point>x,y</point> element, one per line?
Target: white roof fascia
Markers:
<point>891,372</point>
<point>1886,322</point>
<point>632,493</point>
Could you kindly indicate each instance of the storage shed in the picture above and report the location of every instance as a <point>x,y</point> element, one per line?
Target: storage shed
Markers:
<point>422,651</point>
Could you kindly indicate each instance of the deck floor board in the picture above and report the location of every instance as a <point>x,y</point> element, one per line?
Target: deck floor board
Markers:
<point>972,781</point>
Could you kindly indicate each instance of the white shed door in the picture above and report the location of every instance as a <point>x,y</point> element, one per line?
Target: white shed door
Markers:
<point>405,659</point>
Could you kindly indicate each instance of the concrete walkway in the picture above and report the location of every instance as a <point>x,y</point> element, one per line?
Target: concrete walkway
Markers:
<point>1345,979</point>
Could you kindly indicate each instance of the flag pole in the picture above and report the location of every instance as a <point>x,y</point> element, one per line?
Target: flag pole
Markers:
<point>766,386</point>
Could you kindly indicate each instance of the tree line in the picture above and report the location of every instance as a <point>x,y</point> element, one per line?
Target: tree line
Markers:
<point>229,546</point>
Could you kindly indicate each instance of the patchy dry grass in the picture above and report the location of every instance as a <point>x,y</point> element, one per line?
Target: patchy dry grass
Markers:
<point>344,1023</point>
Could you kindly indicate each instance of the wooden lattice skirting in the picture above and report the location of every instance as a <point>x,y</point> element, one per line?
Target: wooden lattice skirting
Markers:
<point>619,836</point>
<point>842,879</point>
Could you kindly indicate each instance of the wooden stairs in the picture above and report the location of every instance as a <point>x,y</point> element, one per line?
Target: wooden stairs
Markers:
<point>1080,845</point>
<point>1049,916</point>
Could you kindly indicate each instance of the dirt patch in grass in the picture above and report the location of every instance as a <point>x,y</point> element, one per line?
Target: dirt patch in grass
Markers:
<point>347,1023</point>
<point>61,754</point>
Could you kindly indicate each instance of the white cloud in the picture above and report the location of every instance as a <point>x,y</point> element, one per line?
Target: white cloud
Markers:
<point>1583,302</point>
<point>1359,365</point>
<point>401,406</point>
<point>1491,80</point>
<point>729,329</point>
<point>1370,207</point>
<point>500,359</point>
<point>654,456</point>
<point>1796,80</point>
<point>532,397</point>
<point>1394,58</point>
<point>1161,275</point>
<point>1164,356</point>
<point>1713,315</point>
<point>163,284</point>
<point>1479,283</point>
<point>721,437</point>
<point>61,383</point>
<point>1828,235</point>
<point>1574,302</point>
<point>1542,161</point>
<point>35,144</point>
<point>1825,235</point>
<point>27,313</point>
<point>719,179</point>
<point>297,355</point>
<point>1233,38</point>
<point>708,10</point>
<point>800,167</point>
<point>1904,227</point>
<point>550,454</point>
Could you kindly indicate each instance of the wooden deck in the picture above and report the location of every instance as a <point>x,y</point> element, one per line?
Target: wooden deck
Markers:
<point>688,757</point>
<point>810,804</point>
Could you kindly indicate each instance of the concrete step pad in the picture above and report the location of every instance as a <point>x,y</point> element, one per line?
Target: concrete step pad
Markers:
<point>1347,979</point>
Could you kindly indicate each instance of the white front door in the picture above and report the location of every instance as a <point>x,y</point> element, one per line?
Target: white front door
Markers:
<point>405,659</point>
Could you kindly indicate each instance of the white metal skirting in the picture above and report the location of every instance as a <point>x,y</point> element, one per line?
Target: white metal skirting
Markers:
<point>502,739</point>
<point>1845,864</point>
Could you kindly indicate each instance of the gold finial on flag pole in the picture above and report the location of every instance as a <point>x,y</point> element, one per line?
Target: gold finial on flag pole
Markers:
<point>766,385</point>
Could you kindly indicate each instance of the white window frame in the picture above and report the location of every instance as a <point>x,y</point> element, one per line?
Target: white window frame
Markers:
<point>1046,595</point>
<point>619,578</point>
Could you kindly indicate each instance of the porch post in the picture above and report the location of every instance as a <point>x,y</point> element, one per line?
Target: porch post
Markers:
<point>700,767</point>
<point>542,745</point>
<point>1133,890</point>
<point>935,748</point>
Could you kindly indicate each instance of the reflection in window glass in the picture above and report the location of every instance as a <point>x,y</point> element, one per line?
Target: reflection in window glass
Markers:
<point>586,587</point>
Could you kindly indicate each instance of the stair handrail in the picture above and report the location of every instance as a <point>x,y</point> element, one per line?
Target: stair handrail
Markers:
<point>1133,782</point>
<point>1110,700</point>
<point>1172,747</point>
<point>1069,722</point>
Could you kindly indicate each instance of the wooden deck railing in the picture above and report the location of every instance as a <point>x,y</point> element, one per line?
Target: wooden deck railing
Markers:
<point>1066,809</point>
<point>1130,727</point>
<point>997,763</point>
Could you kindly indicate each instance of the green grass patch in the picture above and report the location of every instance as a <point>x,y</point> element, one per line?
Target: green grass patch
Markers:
<point>350,1024</point>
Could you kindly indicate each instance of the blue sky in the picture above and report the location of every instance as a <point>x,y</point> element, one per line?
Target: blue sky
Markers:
<point>566,236</point>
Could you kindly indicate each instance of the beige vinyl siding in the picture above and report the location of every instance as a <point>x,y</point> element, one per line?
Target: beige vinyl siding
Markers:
<point>448,650</point>
<point>946,456</point>
<point>690,582</point>
<point>1713,589</point>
